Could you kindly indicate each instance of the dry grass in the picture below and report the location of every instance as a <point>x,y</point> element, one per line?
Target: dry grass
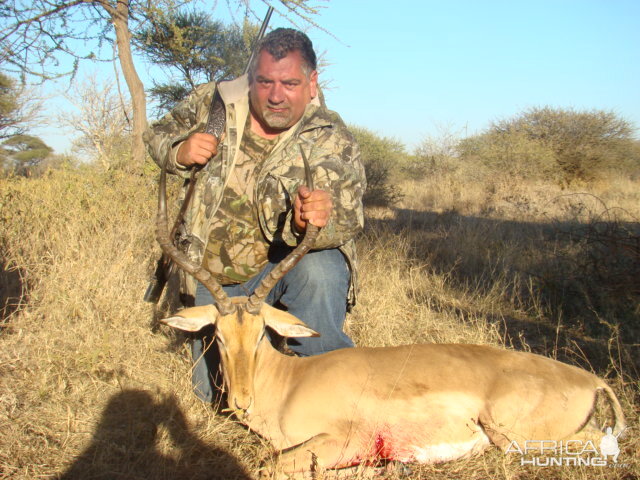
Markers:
<point>91,388</point>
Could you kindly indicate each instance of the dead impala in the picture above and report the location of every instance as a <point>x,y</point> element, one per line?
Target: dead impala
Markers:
<point>423,403</point>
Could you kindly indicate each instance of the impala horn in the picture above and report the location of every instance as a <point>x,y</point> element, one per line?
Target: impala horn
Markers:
<point>225,307</point>
<point>308,242</point>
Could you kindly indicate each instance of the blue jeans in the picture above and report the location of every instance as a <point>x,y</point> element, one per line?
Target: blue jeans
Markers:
<point>315,291</point>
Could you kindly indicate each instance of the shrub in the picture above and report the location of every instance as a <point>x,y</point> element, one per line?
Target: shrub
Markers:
<point>563,144</point>
<point>436,154</point>
<point>381,156</point>
<point>514,155</point>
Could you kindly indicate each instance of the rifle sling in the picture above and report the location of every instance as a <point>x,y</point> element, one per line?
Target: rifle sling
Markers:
<point>215,126</point>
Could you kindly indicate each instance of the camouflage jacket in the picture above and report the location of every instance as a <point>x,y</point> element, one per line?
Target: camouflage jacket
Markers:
<point>332,153</point>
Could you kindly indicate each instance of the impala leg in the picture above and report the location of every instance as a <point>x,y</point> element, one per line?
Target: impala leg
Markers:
<point>316,454</point>
<point>498,436</point>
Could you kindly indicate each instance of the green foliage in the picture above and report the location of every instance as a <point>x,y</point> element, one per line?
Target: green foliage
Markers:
<point>562,144</point>
<point>9,107</point>
<point>19,152</point>
<point>23,153</point>
<point>380,156</point>
<point>198,48</point>
<point>8,102</point>
<point>167,96</point>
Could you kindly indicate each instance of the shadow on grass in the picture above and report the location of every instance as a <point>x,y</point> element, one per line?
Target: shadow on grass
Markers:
<point>11,291</point>
<point>125,445</point>
<point>586,277</point>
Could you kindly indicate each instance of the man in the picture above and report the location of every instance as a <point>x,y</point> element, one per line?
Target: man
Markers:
<point>251,205</point>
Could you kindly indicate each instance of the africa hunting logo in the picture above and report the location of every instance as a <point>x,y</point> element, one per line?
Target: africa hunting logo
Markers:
<point>548,453</point>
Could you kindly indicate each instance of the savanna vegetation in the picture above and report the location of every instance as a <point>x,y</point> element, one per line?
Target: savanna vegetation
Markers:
<point>525,236</point>
<point>467,240</point>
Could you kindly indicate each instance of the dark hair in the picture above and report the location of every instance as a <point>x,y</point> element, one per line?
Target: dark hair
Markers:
<point>280,42</point>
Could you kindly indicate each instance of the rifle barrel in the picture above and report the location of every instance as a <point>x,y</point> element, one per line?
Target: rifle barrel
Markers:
<point>263,28</point>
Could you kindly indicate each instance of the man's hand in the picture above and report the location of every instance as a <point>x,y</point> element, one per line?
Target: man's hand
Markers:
<point>313,207</point>
<point>197,149</point>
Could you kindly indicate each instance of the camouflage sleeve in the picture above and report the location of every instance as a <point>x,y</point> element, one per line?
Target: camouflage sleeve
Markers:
<point>336,168</point>
<point>165,135</point>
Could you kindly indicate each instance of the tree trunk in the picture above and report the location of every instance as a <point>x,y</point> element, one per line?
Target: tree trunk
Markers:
<point>120,19</point>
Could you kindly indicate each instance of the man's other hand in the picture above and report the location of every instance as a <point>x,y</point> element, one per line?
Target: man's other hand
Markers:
<point>311,207</point>
<point>198,149</point>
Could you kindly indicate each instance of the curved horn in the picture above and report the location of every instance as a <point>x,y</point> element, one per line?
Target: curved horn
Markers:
<point>255,300</point>
<point>180,259</point>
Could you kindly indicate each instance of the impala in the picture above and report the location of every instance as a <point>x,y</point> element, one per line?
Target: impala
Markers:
<point>423,403</point>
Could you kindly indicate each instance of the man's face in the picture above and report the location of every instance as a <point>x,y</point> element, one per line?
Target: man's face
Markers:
<point>280,91</point>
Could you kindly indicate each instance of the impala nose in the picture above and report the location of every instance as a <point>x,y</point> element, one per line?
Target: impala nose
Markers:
<point>242,405</point>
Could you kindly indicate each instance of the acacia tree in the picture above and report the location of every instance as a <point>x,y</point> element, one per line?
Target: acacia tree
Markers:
<point>35,36</point>
<point>24,152</point>
<point>198,48</point>
<point>18,108</point>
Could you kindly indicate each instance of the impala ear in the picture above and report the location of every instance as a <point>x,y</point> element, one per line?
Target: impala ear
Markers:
<point>193,319</point>
<point>286,324</point>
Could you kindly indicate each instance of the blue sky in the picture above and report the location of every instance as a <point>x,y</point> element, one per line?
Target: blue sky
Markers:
<point>412,69</point>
